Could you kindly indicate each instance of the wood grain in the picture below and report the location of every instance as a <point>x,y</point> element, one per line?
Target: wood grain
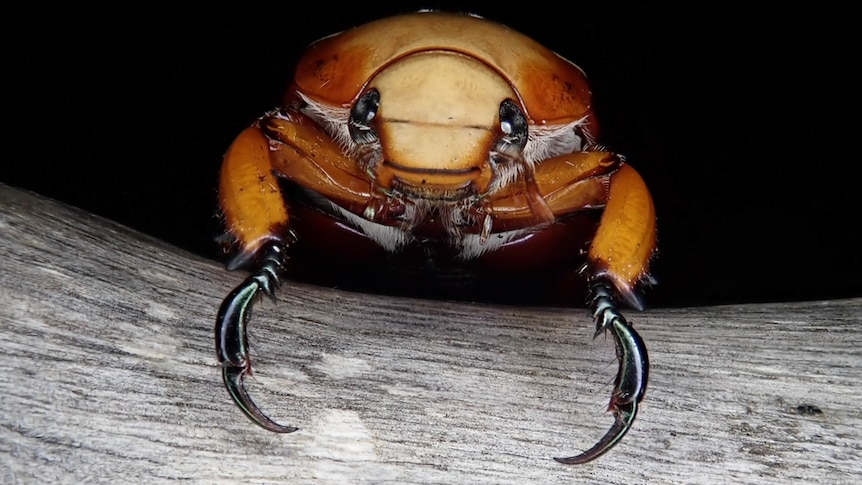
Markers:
<point>110,377</point>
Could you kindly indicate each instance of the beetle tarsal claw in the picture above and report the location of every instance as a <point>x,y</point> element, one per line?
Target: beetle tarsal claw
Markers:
<point>231,340</point>
<point>233,380</point>
<point>624,416</point>
<point>632,375</point>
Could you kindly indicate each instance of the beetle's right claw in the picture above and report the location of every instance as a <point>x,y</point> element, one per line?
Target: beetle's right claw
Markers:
<point>230,334</point>
<point>632,375</point>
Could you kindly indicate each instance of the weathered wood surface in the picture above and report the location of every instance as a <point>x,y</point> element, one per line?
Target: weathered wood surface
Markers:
<point>110,377</point>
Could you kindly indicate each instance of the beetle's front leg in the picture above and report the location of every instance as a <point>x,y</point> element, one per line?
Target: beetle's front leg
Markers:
<point>619,259</point>
<point>285,143</point>
<point>257,218</point>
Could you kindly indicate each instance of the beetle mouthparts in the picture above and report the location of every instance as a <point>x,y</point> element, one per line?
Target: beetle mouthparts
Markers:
<point>429,183</point>
<point>460,173</point>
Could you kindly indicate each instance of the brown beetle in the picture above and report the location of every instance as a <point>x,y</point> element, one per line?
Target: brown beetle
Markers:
<point>453,147</point>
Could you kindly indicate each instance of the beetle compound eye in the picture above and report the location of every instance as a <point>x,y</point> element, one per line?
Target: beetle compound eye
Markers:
<point>513,124</point>
<point>361,115</point>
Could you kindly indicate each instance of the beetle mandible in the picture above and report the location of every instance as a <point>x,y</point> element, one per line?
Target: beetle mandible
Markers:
<point>453,147</point>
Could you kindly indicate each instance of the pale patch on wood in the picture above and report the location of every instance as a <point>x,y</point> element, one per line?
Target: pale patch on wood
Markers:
<point>339,367</point>
<point>342,448</point>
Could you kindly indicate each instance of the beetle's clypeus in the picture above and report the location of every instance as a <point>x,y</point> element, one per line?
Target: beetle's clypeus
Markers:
<point>446,147</point>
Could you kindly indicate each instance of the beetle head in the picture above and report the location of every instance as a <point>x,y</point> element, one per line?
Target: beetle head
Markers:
<point>436,125</point>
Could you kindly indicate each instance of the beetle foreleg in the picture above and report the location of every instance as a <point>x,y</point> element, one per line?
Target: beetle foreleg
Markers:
<point>632,375</point>
<point>230,333</point>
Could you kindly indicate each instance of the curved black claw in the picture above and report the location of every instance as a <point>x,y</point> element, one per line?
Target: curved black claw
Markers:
<point>230,334</point>
<point>632,375</point>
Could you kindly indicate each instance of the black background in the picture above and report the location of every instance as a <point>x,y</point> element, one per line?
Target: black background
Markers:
<point>743,123</point>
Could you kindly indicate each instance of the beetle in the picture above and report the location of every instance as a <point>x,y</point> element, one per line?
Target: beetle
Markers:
<point>438,147</point>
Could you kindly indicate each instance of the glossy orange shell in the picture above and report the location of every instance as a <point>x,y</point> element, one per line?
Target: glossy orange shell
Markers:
<point>551,89</point>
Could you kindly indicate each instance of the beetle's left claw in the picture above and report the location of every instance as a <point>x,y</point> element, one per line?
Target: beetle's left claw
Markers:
<point>632,375</point>
<point>624,416</point>
<point>231,340</point>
